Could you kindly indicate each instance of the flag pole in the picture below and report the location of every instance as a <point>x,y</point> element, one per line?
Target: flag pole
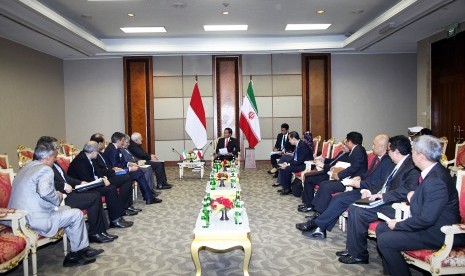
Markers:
<point>250,77</point>
<point>196,78</point>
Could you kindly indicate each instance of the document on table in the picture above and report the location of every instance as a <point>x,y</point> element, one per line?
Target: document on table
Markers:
<point>223,151</point>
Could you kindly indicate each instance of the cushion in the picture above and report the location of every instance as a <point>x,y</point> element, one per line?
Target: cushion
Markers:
<point>462,200</point>
<point>26,153</point>
<point>64,163</point>
<point>3,164</point>
<point>5,189</point>
<point>372,227</point>
<point>10,246</point>
<point>456,257</point>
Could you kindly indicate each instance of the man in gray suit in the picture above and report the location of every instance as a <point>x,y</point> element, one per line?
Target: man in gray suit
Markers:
<point>34,191</point>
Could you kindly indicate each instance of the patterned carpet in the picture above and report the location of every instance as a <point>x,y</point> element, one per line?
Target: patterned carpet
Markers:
<point>159,242</point>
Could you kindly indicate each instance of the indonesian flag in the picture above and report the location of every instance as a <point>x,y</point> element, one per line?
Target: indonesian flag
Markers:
<point>248,121</point>
<point>196,124</point>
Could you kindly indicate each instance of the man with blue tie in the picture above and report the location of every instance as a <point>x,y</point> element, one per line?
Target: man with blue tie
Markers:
<point>281,146</point>
<point>402,178</point>
<point>297,164</point>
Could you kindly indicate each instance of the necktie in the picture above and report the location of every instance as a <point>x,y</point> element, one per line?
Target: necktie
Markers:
<point>226,142</point>
<point>282,142</point>
<point>373,165</point>
<point>420,180</point>
<point>386,184</point>
<point>295,152</point>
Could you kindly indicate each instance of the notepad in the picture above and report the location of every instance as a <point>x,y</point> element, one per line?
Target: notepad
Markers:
<point>88,186</point>
<point>223,151</point>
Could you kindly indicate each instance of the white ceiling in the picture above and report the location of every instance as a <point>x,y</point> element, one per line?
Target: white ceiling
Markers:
<point>71,29</point>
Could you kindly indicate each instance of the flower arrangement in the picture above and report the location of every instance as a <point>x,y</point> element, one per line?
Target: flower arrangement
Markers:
<point>189,155</point>
<point>225,163</point>
<point>221,203</point>
<point>221,175</point>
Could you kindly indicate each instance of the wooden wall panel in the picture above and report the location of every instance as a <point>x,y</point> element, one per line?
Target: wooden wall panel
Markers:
<point>138,98</point>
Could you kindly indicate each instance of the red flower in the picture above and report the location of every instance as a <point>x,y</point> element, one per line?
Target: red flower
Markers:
<point>221,203</point>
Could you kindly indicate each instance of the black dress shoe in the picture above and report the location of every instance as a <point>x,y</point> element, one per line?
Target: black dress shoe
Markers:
<point>90,252</point>
<point>76,259</point>
<point>306,226</point>
<point>342,253</point>
<point>99,238</point>
<point>280,190</point>
<point>275,175</point>
<point>313,216</point>
<point>165,186</point>
<point>285,192</point>
<point>132,208</point>
<point>153,201</point>
<point>351,260</point>
<point>317,233</point>
<point>129,212</point>
<point>276,185</point>
<point>305,209</point>
<point>155,192</point>
<point>121,223</point>
<point>110,236</point>
<point>301,206</point>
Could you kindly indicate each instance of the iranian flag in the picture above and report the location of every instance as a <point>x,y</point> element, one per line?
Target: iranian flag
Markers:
<point>196,124</point>
<point>248,121</point>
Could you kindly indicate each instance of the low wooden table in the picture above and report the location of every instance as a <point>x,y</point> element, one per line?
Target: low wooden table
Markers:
<point>223,236</point>
<point>191,165</point>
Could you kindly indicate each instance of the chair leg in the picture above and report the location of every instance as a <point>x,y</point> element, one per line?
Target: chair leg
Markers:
<point>34,260</point>
<point>65,244</point>
<point>26,265</point>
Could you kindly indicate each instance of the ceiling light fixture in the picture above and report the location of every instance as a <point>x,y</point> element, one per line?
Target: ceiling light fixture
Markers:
<point>320,11</point>
<point>306,27</point>
<point>143,30</point>
<point>216,28</point>
<point>131,14</point>
<point>225,13</point>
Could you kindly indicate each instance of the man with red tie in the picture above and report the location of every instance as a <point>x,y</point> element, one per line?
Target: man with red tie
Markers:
<point>229,143</point>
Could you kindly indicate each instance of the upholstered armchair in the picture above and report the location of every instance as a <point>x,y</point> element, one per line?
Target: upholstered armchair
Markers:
<point>459,160</point>
<point>68,149</point>
<point>14,246</point>
<point>64,162</point>
<point>4,163</point>
<point>213,154</point>
<point>316,143</point>
<point>25,155</point>
<point>448,259</point>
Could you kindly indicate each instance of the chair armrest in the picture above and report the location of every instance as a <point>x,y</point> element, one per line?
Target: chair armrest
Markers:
<point>450,162</point>
<point>17,218</point>
<point>308,165</point>
<point>453,229</point>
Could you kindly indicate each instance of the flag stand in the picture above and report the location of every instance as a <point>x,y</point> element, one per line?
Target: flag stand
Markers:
<point>250,159</point>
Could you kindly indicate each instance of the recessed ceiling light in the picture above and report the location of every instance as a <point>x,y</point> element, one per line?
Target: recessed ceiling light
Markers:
<point>143,29</point>
<point>225,13</point>
<point>131,15</point>
<point>320,11</point>
<point>306,27</point>
<point>214,28</point>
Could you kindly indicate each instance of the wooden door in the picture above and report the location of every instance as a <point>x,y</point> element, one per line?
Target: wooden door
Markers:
<point>227,94</point>
<point>138,99</point>
<point>448,90</point>
<point>316,94</point>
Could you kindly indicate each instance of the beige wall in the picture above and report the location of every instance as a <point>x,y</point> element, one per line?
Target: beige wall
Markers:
<point>94,96</point>
<point>32,101</point>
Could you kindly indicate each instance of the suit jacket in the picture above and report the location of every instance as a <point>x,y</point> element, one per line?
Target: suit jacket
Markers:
<point>404,181</point>
<point>303,154</point>
<point>434,204</point>
<point>102,166</point>
<point>138,151</point>
<point>341,156</point>
<point>34,191</point>
<point>60,180</point>
<point>128,156</point>
<point>233,145</point>
<point>81,168</point>
<point>379,174</point>
<point>114,157</point>
<point>287,145</point>
<point>358,163</point>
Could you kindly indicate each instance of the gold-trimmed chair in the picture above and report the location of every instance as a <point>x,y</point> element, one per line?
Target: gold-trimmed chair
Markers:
<point>459,160</point>
<point>25,155</point>
<point>448,259</point>
<point>4,162</point>
<point>213,154</point>
<point>316,144</point>
<point>68,149</point>
<point>14,246</point>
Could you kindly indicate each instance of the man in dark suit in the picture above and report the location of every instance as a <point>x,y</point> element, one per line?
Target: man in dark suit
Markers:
<point>433,205</point>
<point>282,146</point>
<point>123,182</point>
<point>402,178</point>
<point>358,165</point>
<point>135,147</point>
<point>113,157</point>
<point>297,164</point>
<point>230,143</point>
<point>376,173</point>
<point>91,200</point>
<point>82,168</point>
